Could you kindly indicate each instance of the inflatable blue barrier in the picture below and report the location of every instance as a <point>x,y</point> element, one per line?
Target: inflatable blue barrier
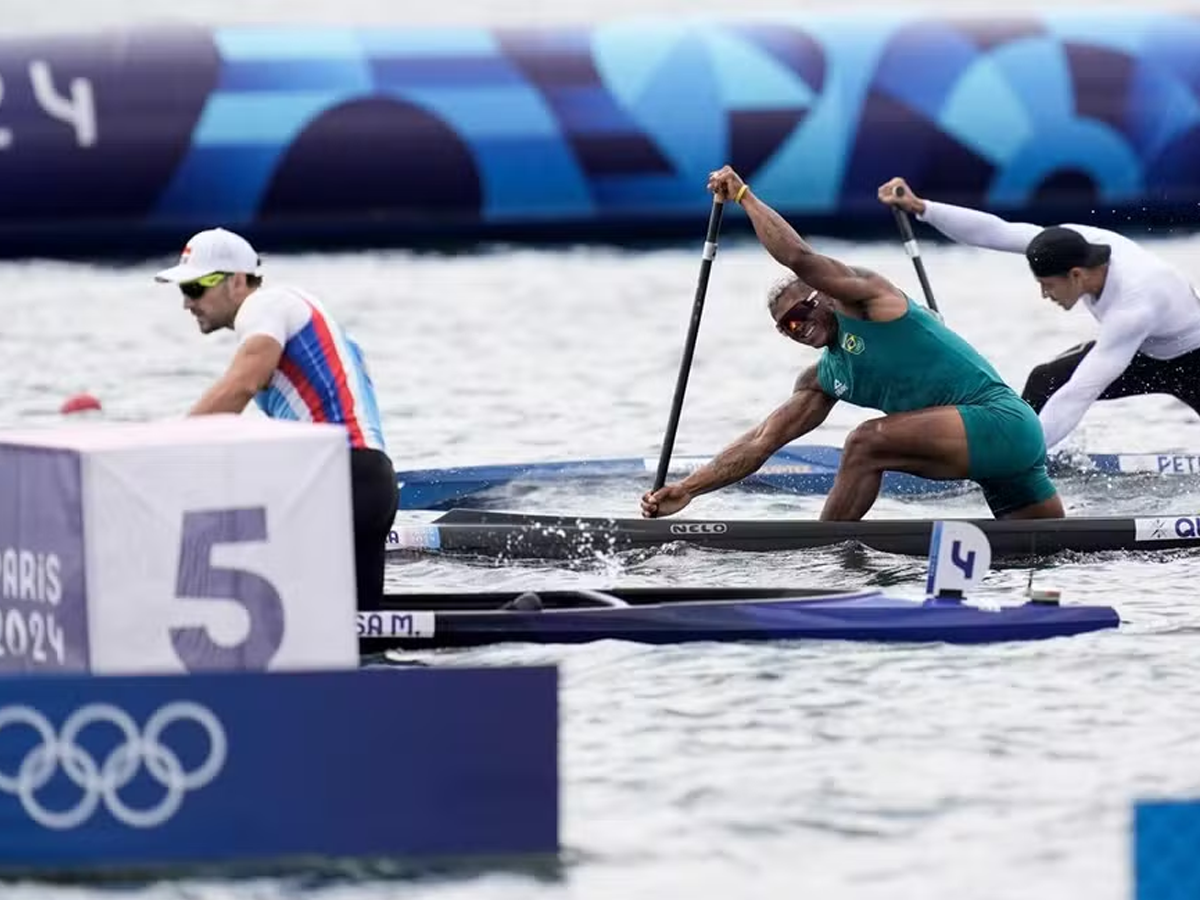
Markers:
<point>130,141</point>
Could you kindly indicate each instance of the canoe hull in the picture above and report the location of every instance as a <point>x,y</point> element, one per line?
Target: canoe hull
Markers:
<point>517,536</point>
<point>463,621</point>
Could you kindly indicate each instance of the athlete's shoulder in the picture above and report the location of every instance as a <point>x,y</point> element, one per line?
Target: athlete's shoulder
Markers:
<point>278,310</point>
<point>283,294</point>
<point>1096,235</point>
<point>283,298</point>
<point>832,358</point>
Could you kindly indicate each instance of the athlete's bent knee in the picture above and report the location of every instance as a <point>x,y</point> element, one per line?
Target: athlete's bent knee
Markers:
<point>864,445</point>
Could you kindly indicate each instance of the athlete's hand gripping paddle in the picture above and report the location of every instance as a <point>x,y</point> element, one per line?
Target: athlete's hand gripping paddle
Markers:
<point>689,348</point>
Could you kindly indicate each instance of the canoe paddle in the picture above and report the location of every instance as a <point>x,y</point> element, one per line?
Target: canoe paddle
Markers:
<point>685,365</point>
<point>913,250</point>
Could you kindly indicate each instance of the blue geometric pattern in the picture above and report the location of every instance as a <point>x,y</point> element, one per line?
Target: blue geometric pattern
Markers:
<point>613,124</point>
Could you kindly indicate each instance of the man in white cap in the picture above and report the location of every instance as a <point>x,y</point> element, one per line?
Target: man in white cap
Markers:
<point>297,363</point>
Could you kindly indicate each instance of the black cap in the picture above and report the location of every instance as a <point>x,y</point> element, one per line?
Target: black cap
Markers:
<point>1058,250</point>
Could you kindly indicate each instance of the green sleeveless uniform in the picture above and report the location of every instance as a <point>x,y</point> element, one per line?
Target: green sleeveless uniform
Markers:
<point>916,362</point>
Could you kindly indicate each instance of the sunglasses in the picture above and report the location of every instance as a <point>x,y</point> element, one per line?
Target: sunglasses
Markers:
<point>797,317</point>
<point>195,289</point>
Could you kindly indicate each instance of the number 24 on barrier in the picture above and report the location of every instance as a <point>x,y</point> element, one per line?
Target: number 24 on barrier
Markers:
<point>77,110</point>
<point>199,580</point>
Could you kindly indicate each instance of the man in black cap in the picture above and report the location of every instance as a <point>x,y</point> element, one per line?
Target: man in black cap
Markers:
<point>1148,312</point>
<point>1057,250</point>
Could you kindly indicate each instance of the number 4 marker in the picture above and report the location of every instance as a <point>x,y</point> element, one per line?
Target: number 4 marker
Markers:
<point>78,110</point>
<point>959,558</point>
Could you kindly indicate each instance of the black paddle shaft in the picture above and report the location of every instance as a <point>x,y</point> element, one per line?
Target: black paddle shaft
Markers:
<point>913,250</point>
<point>689,349</point>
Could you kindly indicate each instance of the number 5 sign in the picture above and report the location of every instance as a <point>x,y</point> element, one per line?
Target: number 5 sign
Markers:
<point>200,579</point>
<point>209,543</point>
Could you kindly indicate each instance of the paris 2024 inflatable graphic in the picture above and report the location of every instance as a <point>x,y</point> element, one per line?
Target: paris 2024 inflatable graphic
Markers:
<point>125,140</point>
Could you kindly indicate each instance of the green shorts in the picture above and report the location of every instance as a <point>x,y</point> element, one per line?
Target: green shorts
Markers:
<point>1007,453</point>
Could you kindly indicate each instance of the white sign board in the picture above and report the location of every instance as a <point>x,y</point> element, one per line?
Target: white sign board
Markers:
<point>214,542</point>
<point>959,557</point>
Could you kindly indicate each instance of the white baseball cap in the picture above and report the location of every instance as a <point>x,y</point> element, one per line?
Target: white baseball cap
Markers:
<point>214,250</point>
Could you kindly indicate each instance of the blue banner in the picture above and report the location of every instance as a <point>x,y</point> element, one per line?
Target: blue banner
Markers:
<point>138,772</point>
<point>1166,850</point>
<point>43,596</point>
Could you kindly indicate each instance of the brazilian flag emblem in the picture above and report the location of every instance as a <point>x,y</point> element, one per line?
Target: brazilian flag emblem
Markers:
<point>852,343</point>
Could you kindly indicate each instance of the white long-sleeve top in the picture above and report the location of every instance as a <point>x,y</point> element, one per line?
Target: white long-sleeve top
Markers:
<point>1146,306</point>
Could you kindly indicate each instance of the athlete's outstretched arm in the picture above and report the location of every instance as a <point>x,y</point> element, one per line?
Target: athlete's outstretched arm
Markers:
<point>249,372</point>
<point>979,229</point>
<point>807,408</point>
<point>1119,338</point>
<point>960,223</point>
<point>799,414</point>
<point>831,277</point>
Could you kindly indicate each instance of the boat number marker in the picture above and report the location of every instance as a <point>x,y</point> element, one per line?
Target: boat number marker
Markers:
<point>959,557</point>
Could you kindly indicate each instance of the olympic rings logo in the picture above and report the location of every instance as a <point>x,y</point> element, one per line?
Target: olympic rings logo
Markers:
<point>105,780</point>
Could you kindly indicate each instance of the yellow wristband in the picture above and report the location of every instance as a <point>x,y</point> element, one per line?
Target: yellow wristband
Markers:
<point>741,193</point>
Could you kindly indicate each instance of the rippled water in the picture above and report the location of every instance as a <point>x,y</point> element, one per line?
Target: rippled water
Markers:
<point>833,770</point>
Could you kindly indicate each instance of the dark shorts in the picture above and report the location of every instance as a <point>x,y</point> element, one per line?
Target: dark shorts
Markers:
<point>1178,377</point>
<point>375,496</point>
<point>1007,454</point>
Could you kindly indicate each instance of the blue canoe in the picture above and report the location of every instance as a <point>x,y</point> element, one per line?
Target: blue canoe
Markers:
<point>680,614</point>
<point>797,469</point>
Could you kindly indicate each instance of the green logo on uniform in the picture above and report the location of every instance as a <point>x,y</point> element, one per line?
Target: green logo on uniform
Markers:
<point>852,343</point>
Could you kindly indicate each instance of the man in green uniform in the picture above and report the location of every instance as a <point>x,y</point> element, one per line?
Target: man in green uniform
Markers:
<point>948,414</point>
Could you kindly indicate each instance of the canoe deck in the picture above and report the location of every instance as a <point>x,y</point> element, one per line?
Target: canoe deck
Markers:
<point>531,536</point>
<point>680,615</point>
